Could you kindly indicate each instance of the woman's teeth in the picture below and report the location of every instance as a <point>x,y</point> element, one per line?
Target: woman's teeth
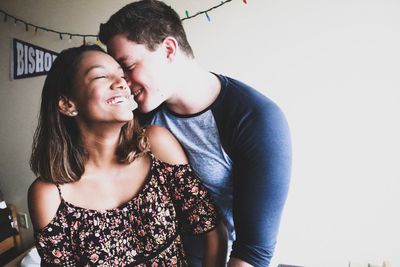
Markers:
<point>117,100</point>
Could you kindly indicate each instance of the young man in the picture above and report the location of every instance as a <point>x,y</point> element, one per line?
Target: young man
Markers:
<point>237,140</point>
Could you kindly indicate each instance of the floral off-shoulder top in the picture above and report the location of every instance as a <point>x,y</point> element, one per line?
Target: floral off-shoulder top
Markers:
<point>145,231</point>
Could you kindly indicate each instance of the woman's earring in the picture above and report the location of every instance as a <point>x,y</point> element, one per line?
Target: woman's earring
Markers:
<point>73,113</point>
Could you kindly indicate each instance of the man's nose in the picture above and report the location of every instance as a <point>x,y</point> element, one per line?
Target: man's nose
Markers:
<point>128,80</point>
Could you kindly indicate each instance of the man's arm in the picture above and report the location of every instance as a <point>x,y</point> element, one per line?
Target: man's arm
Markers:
<point>261,174</point>
<point>235,262</point>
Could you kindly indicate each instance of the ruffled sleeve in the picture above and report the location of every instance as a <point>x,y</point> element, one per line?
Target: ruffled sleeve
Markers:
<point>196,211</point>
<point>54,245</point>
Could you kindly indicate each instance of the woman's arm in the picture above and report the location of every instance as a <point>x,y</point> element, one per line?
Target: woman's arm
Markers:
<point>200,214</point>
<point>214,247</point>
<point>52,238</point>
<point>43,202</point>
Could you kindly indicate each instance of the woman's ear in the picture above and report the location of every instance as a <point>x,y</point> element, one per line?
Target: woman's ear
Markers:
<point>170,46</point>
<point>67,106</point>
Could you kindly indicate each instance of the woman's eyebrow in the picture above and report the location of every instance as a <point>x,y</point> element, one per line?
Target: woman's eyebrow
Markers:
<point>93,67</point>
<point>99,67</point>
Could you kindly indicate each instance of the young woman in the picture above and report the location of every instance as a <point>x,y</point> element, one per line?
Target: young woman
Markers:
<point>110,193</point>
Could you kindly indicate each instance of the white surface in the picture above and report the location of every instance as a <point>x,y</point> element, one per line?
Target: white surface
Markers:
<point>3,205</point>
<point>32,259</point>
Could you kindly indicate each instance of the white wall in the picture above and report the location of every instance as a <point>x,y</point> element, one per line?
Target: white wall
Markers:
<point>333,67</point>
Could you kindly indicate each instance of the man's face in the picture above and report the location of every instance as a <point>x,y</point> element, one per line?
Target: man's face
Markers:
<point>146,71</point>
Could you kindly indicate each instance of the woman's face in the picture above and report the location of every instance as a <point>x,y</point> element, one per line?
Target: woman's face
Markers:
<point>100,90</point>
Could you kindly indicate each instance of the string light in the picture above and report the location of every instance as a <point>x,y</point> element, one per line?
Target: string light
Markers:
<point>84,36</point>
<point>98,41</point>
<point>205,11</point>
<point>27,24</point>
<point>208,17</point>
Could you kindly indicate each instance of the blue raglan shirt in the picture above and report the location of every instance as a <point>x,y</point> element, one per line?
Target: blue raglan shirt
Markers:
<point>240,148</point>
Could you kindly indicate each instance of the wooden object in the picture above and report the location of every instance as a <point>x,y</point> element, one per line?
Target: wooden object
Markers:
<point>11,246</point>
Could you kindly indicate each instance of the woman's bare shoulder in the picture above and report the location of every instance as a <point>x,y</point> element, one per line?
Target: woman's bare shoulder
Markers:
<point>43,202</point>
<point>165,146</point>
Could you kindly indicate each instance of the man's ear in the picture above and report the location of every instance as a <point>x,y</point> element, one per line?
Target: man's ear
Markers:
<point>67,106</point>
<point>170,47</point>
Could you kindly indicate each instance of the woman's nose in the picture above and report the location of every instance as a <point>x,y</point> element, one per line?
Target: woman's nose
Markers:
<point>119,83</point>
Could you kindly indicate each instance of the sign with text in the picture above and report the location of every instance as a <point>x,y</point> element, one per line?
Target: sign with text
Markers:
<point>30,60</point>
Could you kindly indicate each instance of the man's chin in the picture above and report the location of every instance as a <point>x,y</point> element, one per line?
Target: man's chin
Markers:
<point>147,109</point>
<point>144,109</point>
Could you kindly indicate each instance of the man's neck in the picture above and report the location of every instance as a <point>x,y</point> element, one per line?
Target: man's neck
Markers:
<point>197,90</point>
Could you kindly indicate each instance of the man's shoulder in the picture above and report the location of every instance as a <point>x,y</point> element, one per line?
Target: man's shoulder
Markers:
<point>240,98</point>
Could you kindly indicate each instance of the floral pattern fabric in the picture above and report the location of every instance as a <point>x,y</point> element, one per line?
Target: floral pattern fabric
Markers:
<point>145,231</point>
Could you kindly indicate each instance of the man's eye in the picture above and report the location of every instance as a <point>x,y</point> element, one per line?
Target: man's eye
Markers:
<point>130,67</point>
<point>100,77</point>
